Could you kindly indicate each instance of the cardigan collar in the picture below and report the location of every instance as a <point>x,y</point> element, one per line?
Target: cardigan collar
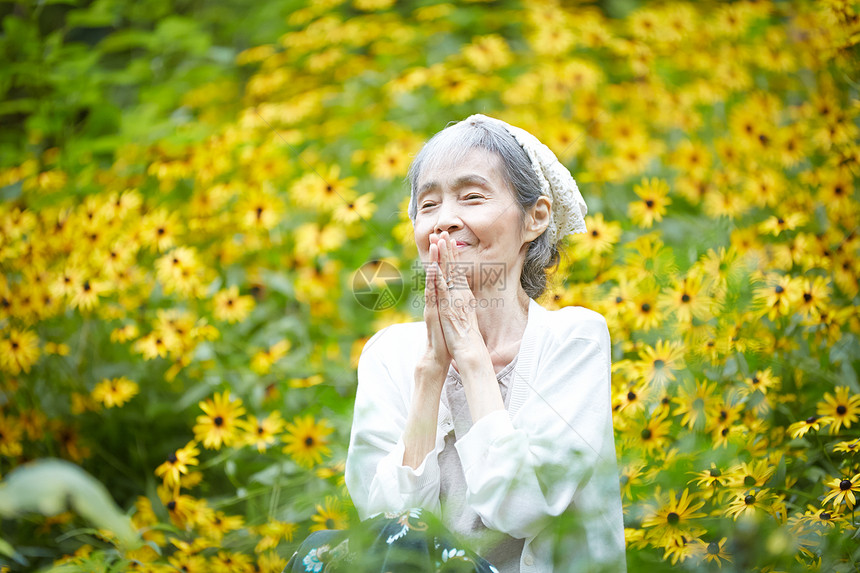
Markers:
<point>526,360</point>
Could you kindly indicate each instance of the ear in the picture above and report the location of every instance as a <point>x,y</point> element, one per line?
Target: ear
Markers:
<point>537,219</point>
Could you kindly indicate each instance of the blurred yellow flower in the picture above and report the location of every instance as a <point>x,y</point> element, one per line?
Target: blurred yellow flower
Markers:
<point>19,350</point>
<point>654,195</point>
<point>115,392</point>
<point>220,424</point>
<point>329,515</point>
<point>228,305</point>
<point>177,464</point>
<point>306,440</point>
<point>262,432</point>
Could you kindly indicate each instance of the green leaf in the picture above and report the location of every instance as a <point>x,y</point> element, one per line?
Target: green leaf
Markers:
<point>51,486</point>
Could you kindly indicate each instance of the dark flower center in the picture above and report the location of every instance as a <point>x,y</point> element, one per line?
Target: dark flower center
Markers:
<point>646,434</point>
<point>811,419</point>
<point>329,523</point>
<point>172,458</point>
<point>845,485</point>
<point>749,481</point>
<point>650,203</point>
<point>171,505</point>
<point>685,297</point>
<point>631,395</point>
<point>749,500</point>
<point>825,516</point>
<point>646,307</point>
<point>807,297</point>
<point>840,409</point>
<point>715,473</point>
<point>779,289</point>
<point>659,364</point>
<point>218,421</point>
<point>309,441</point>
<point>673,518</point>
<point>713,548</point>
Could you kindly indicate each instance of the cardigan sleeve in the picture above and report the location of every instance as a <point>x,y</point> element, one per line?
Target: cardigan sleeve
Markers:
<point>557,453</point>
<point>375,475</point>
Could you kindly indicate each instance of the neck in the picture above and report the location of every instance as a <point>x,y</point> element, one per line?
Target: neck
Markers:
<point>502,314</point>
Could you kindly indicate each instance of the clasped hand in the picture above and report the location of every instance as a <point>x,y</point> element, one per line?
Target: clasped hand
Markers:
<point>450,313</point>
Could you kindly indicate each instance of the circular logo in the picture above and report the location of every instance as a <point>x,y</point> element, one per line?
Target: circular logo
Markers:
<point>377,285</point>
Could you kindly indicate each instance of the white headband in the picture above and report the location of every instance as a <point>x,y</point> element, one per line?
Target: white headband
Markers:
<point>556,182</point>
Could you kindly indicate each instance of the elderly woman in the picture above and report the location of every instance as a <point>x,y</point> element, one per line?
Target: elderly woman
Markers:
<point>494,413</point>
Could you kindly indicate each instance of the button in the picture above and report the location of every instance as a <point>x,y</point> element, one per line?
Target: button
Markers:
<point>528,560</point>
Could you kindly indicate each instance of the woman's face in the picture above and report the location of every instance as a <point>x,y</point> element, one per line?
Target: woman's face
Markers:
<point>472,201</point>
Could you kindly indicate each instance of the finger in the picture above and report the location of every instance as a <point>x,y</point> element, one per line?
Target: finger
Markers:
<point>443,255</point>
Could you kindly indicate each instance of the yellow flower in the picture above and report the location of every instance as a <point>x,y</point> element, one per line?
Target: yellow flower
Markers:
<point>19,350</point>
<point>762,380</point>
<point>230,306</point>
<point>600,238</point>
<point>329,516</point>
<point>392,161</point>
<point>776,225</point>
<point>323,189</point>
<point>231,562</point>
<point>85,294</point>
<point>124,333</point>
<point>272,532</point>
<point>263,360</point>
<point>750,475</point>
<point>306,440</point>
<point>487,53</point>
<point>799,429</point>
<point>777,297</point>
<point>262,432</point>
<point>693,403</point>
<point>159,229</point>
<point>660,362</point>
<point>10,437</point>
<point>849,447</point>
<point>654,195</point>
<point>271,562</point>
<point>671,520</point>
<point>259,210</point>
<point>653,435</point>
<point>842,491</point>
<point>215,525</point>
<point>687,299</point>
<point>180,271</point>
<point>177,464</point>
<point>115,392</point>
<point>220,424</point>
<point>841,409</point>
<point>360,209</point>
<point>715,551</point>
<point>814,297</point>
<point>749,503</point>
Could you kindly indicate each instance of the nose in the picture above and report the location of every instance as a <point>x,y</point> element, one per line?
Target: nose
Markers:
<point>447,218</point>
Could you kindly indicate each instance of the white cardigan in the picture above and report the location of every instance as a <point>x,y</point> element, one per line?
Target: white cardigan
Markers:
<point>548,460</point>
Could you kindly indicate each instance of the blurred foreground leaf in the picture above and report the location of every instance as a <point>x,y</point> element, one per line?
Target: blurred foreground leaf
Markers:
<point>51,486</point>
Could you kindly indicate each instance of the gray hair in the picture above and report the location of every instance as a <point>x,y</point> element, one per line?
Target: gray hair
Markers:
<point>452,144</point>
